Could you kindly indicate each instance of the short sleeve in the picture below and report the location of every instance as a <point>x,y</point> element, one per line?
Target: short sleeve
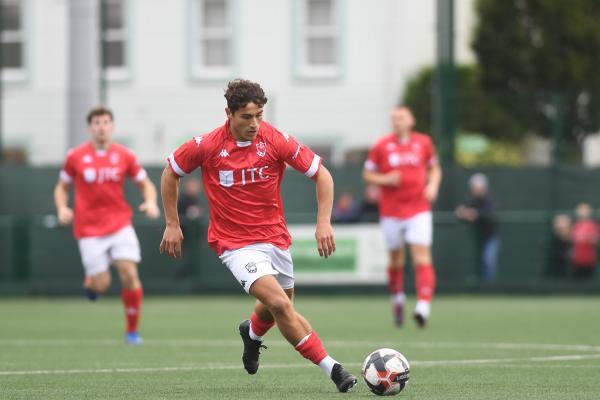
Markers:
<point>297,155</point>
<point>373,161</point>
<point>134,169</point>
<point>187,157</point>
<point>431,154</point>
<point>68,171</point>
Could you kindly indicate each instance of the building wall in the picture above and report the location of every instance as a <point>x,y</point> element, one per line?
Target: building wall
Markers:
<point>159,103</point>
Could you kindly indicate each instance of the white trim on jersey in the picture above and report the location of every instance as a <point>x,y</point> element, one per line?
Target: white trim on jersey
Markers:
<point>370,166</point>
<point>140,176</point>
<point>66,178</point>
<point>314,166</point>
<point>175,166</point>
<point>244,143</point>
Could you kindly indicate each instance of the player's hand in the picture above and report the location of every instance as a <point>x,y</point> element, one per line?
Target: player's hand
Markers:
<point>325,240</point>
<point>150,209</point>
<point>431,193</point>
<point>65,215</point>
<point>171,241</point>
<point>392,178</point>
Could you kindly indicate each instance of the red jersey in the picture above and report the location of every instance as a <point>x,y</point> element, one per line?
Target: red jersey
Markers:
<point>99,176</point>
<point>242,181</point>
<point>412,158</point>
<point>585,237</point>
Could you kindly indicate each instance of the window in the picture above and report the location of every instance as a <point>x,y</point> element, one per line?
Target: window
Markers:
<point>13,37</point>
<point>213,42</point>
<point>318,39</point>
<point>114,34</point>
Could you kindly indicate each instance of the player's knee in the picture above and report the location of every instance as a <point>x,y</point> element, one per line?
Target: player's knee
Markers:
<point>101,285</point>
<point>280,305</point>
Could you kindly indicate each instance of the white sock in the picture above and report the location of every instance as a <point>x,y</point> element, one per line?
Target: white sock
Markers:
<point>399,298</point>
<point>327,365</point>
<point>253,335</point>
<point>423,308</point>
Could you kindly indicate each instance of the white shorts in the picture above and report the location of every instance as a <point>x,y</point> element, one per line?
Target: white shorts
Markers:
<point>254,261</point>
<point>99,252</point>
<point>415,230</point>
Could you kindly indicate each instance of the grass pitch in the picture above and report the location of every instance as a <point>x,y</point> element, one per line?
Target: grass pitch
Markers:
<point>474,348</point>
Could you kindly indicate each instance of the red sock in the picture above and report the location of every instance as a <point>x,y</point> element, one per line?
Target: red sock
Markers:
<point>132,300</point>
<point>425,282</point>
<point>258,326</point>
<point>311,348</point>
<point>395,280</point>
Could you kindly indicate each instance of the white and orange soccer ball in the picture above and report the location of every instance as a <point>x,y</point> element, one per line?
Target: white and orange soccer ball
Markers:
<point>386,372</point>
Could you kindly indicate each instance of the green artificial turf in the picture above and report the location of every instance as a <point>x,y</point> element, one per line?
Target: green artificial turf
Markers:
<point>474,348</point>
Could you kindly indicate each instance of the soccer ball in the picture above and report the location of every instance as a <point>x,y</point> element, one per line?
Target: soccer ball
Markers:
<point>386,372</point>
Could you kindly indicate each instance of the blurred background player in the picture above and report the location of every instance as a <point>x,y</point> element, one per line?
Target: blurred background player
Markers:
<point>559,250</point>
<point>479,210</point>
<point>191,212</point>
<point>405,165</point>
<point>102,217</point>
<point>585,235</point>
<point>242,164</point>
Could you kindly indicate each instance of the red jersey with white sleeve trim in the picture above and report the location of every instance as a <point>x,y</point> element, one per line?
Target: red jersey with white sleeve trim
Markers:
<point>412,158</point>
<point>99,176</point>
<point>242,182</point>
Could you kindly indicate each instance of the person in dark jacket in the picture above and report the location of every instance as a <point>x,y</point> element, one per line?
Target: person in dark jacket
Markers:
<point>479,210</point>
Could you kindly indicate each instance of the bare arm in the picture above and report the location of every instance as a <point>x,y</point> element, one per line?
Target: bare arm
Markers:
<point>61,201</point>
<point>324,230</point>
<point>173,237</point>
<point>149,206</point>
<point>391,178</point>
<point>434,179</point>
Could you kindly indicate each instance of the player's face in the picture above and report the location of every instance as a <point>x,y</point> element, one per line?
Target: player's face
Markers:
<point>402,120</point>
<point>101,128</point>
<point>244,122</point>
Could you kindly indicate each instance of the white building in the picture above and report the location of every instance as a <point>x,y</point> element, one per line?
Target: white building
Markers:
<point>331,68</point>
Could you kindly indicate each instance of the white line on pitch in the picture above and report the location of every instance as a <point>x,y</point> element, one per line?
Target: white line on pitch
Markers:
<point>424,363</point>
<point>282,343</point>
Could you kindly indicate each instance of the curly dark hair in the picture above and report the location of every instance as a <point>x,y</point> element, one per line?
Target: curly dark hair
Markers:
<point>240,92</point>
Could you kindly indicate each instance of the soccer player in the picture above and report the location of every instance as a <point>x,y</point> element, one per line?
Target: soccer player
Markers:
<point>242,164</point>
<point>404,164</point>
<point>102,218</point>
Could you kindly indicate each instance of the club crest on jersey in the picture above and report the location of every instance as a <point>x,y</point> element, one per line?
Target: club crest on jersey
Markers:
<point>226,178</point>
<point>89,175</point>
<point>87,159</point>
<point>261,149</point>
<point>114,158</point>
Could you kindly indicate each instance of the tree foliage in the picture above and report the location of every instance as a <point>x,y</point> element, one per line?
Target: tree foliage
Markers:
<point>539,59</point>
<point>476,111</point>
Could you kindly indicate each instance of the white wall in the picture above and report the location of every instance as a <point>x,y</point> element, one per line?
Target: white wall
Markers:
<point>34,108</point>
<point>385,42</point>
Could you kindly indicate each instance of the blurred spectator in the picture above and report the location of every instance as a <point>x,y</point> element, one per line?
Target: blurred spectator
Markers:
<point>188,205</point>
<point>190,212</point>
<point>479,211</point>
<point>584,236</point>
<point>371,200</point>
<point>559,251</point>
<point>347,209</point>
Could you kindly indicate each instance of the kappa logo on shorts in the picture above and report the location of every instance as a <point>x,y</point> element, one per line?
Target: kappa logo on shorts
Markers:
<point>251,267</point>
<point>243,283</point>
